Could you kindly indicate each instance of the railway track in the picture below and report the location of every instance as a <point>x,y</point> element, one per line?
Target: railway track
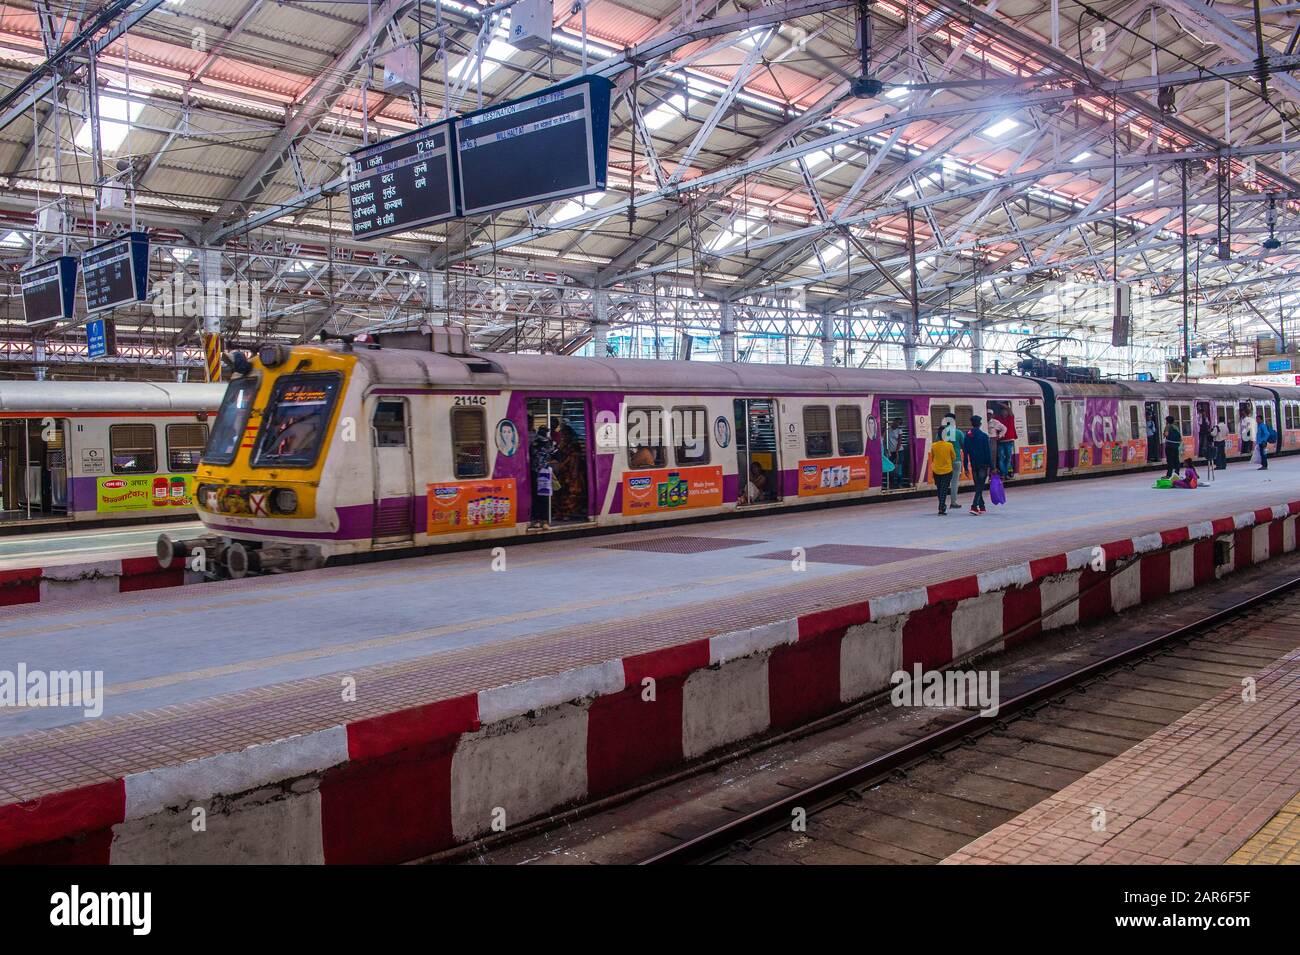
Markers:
<point>922,800</point>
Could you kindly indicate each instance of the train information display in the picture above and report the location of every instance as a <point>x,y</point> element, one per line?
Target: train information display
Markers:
<point>116,273</point>
<point>49,290</point>
<point>402,183</point>
<point>537,149</point>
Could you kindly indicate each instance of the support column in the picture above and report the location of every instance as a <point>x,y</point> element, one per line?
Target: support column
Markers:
<point>828,339</point>
<point>727,340</point>
<point>213,294</point>
<point>977,348</point>
<point>600,323</point>
<point>909,338</point>
<point>38,353</point>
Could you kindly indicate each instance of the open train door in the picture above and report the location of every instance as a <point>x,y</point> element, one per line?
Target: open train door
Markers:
<point>1155,429</point>
<point>394,470</point>
<point>758,457</point>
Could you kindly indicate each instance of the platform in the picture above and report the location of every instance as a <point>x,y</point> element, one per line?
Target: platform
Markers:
<point>66,545</point>
<point>1212,787</point>
<point>205,671</point>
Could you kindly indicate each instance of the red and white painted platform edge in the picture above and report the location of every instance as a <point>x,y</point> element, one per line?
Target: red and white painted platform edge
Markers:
<point>1193,792</point>
<point>403,784</point>
<point>83,580</point>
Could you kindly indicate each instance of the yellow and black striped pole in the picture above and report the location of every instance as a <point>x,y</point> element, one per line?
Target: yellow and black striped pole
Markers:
<point>212,355</point>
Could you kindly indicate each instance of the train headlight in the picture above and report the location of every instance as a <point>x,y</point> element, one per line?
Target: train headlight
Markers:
<point>284,500</point>
<point>273,355</point>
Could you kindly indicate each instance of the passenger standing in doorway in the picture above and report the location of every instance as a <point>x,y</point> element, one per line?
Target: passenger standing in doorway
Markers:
<point>1153,437</point>
<point>941,466</point>
<point>953,435</point>
<point>1219,434</point>
<point>978,456</point>
<point>1173,445</point>
<point>1206,441</point>
<point>1003,430</point>
<point>540,451</point>
<point>893,438</point>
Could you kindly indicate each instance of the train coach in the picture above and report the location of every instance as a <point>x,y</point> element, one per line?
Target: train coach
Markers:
<point>326,452</point>
<point>100,451</point>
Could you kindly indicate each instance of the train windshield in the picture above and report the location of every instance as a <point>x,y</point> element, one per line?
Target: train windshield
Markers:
<point>296,418</point>
<point>228,429</point>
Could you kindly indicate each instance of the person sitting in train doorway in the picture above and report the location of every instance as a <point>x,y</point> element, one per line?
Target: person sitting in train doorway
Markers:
<point>568,492</point>
<point>1002,429</point>
<point>540,451</point>
<point>1173,445</point>
<point>756,488</point>
<point>1190,477</point>
<point>977,454</point>
<point>941,458</point>
<point>953,435</point>
<point>1219,435</point>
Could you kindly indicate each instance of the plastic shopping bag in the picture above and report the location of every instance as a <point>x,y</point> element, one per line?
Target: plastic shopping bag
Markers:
<point>997,493</point>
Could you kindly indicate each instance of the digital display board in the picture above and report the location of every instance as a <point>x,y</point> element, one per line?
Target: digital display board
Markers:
<point>49,290</point>
<point>402,183</point>
<point>116,273</point>
<point>542,147</point>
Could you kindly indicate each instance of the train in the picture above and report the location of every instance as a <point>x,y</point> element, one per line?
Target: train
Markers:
<point>341,450</point>
<point>100,452</point>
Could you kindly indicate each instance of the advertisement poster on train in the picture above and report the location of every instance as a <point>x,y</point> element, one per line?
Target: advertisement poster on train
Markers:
<point>1137,451</point>
<point>115,495</point>
<point>1100,425</point>
<point>671,489</point>
<point>460,506</point>
<point>1033,459</point>
<point>833,476</point>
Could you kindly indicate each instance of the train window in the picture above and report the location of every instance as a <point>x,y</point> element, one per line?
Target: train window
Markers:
<point>297,416</point>
<point>964,413</point>
<point>390,424</point>
<point>937,414</point>
<point>817,431</point>
<point>469,442</point>
<point>1134,424</point>
<point>848,427</point>
<point>132,448</point>
<point>1034,424</point>
<point>1183,418</point>
<point>645,438</point>
<point>185,446</point>
<point>691,435</point>
<point>228,429</point>
<point>1292,412</point>
<point>1227,416</point>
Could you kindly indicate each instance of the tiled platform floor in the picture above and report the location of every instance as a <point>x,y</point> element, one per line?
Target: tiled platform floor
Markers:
<point>202,669</point>
<point>1206,789</point>
<point>1278,843</point>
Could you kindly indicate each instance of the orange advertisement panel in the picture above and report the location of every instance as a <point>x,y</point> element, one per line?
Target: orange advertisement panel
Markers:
<point>833,476</point>
<point>460,506</point>
<point>1085,456</point>
<point>1033,459</point>
<point>1189,447</point>
<point>672,489</point>
<point>1137,451</point>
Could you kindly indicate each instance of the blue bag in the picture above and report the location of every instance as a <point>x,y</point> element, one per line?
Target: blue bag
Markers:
<point>997,493</point>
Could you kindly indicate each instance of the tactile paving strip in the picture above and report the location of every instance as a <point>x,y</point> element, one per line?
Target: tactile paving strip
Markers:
<point>854,555</point>
<point>682,544</point>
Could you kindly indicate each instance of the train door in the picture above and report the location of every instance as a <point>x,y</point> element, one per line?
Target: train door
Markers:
<point>1155,428</point>
<point>559,460</point>
<point>896,442</point>
<point>1246,421</point>
<point>1204,423</point>
<point>33,468</point>
<point>757,458</point>
<point>394,471</point>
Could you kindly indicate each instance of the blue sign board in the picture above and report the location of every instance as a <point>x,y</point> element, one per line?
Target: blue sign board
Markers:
<point>1280,364</point>
<point>96,339</point>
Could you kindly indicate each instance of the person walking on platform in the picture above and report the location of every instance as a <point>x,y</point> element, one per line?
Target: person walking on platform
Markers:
<point>1263,435</point>
<point>953,435</point>
<point>1220,436</point>
<point>978,456</point>
<point>942,457</point>
<point>1173,446</point>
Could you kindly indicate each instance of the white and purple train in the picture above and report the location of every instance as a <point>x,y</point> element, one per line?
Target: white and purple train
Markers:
<point>328,452</point>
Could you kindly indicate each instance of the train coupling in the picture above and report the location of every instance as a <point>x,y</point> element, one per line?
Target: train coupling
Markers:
<point>221,558</point>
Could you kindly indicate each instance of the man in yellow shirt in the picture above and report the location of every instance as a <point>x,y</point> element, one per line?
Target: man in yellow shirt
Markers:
<point>942,458</point>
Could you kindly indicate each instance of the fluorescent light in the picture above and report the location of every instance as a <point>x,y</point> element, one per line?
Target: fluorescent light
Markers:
<point>1000,128</point>
<point>663,114</point>
<point>897,92</point>
<point>497,52</point>
<point>1082,156</point>
<point>116,114</point>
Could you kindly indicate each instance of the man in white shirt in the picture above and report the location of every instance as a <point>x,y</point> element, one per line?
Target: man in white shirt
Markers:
<point>1219,434</point>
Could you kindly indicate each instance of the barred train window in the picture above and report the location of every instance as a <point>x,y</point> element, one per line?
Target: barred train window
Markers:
<point>937,414</point>
<point>645,438</point>
<point>185,443</point>
<point>1034,424</point>
<point>848,426</point>
<point>964,414</point>
<point>132,450</point>
<point>691,435</point>
<point>817,431</point>
<point>469,442</point>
